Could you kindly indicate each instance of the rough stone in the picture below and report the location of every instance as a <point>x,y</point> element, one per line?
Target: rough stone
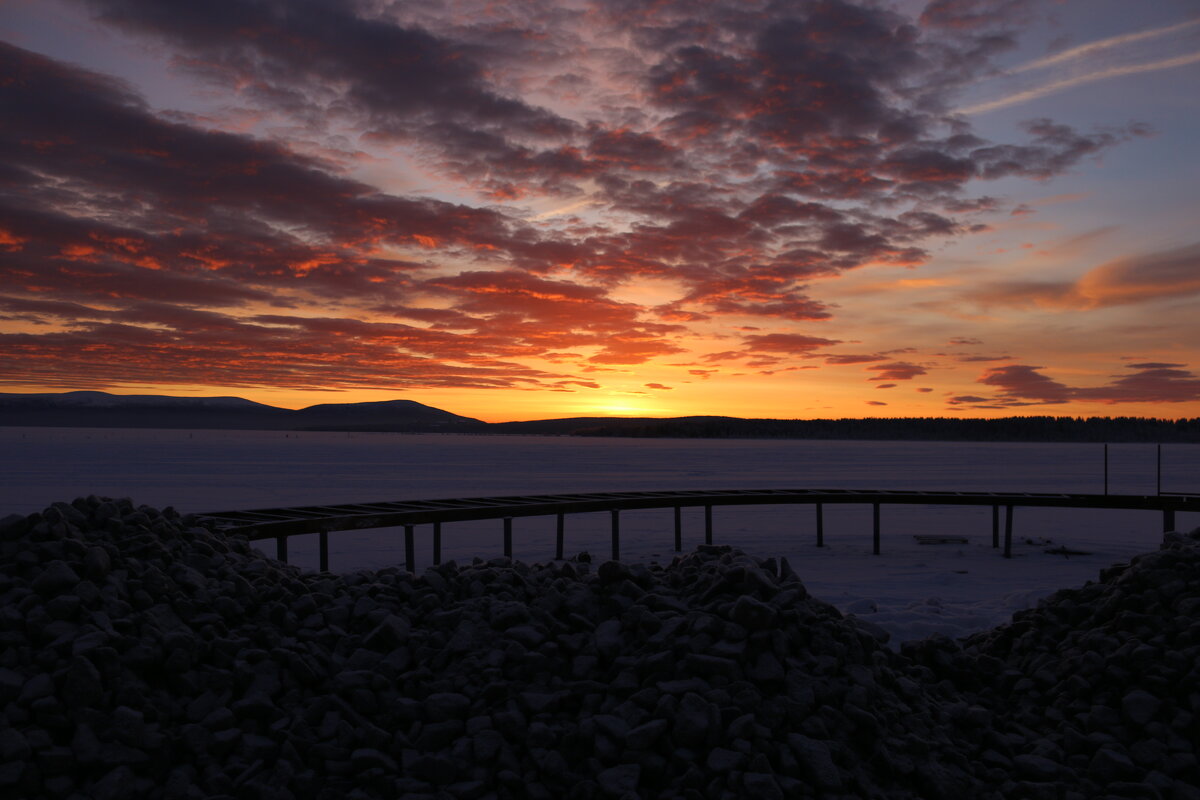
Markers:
<point>56,577</point>
<point>620,780</point>
<point>83,686</point>
<point>814,756</point>
<point>1036,768</point>
<point>1109,765</point>
<point>1139,706</point>
<point>762,786</point>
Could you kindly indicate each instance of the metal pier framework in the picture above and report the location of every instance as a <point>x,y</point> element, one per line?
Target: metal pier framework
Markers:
<point>282,523</point>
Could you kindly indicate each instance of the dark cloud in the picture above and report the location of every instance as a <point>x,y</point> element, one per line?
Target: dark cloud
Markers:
<point>976,359</point>
<point>1025,382</point>
<point>626,149</point>
<point>787,343</point>
<point>323,56</point>
<point>848,358</point>
<point>897,371</point>
<point>1054,148</point>
<point>971,15</point>
<point>160,194</point>
<point>1150,383</point>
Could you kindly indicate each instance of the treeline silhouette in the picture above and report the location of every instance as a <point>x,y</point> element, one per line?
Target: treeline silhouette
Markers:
<point>1007,429</point>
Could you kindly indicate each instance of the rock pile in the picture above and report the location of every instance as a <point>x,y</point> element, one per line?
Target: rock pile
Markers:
<point>1096,688</point>
<point>141,656</point>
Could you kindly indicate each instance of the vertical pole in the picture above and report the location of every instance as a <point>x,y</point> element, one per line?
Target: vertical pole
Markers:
<point>875,515</point>
<point>508,537</point>
<point>1008,511</point>
<point>995,527</point>
<point>708,524</point>
<point>558,536</point>
<point>323,547</point>
<point>1168,519</point>
<point>678,529</point>
<point>437,543</point>
<point>409,558</point>
<point>1158,481</point>
<point>1106,467</point>
<point>616,534</point>
<point>820,525</point>
<point>281,548</point>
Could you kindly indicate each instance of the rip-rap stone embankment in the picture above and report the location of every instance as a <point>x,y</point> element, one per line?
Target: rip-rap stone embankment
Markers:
<point>144,657</point>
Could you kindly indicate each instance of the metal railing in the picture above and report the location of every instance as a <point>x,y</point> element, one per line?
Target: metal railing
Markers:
<point>282,523</point>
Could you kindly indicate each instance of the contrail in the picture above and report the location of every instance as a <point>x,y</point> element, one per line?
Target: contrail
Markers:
<point>1058,86</point>
<point>1084,50</point>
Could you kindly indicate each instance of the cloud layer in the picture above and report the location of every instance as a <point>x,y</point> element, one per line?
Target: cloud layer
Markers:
<point>701,177</point>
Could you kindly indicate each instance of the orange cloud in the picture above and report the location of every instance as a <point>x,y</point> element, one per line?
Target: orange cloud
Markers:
<point>10,241</point>
<point>1124,281</point>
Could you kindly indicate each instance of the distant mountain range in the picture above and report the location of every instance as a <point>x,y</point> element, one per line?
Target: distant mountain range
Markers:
<point>103,410</point>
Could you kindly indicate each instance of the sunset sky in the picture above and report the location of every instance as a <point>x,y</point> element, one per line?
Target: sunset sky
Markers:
<point>521,210</point>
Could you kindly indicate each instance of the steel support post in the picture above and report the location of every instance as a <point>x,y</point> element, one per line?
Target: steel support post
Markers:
<point>1008,522</point>
<point>409,557</point>
<point>616,535</point>
<point>875,527</point>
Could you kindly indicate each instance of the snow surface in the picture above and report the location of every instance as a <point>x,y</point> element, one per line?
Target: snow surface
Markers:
<point>911,590</point>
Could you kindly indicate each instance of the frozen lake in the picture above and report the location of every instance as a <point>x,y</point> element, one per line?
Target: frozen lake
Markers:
<point>915,589</point>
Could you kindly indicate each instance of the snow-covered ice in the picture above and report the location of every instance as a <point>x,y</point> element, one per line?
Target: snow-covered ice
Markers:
<point>911,590</point>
